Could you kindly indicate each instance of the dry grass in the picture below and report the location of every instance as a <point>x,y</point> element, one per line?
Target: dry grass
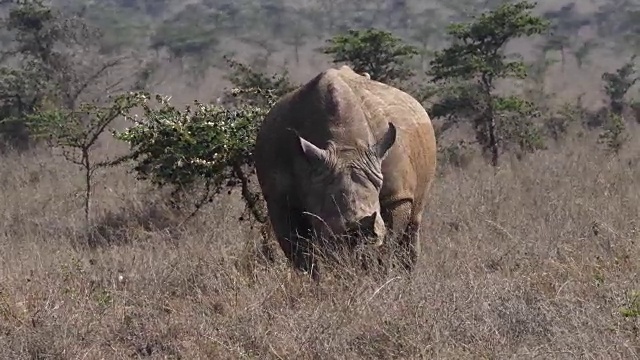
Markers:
<point>532,262</point>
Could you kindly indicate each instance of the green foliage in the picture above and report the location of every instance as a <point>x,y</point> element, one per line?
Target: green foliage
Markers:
<point>181,147</point>
<point>26,86</point>
<point>41,68</point>
<point>244,77</point>
<point>377,52</point>
<point>458,100</point>
<point>616,85</point>
<point>203,146</point>
<point>557,126</point>
<point>455,154</point>
<point>516,124</point>
<point>476,50</point>
<point>633,309</point>
<point>80,128</point>
<point>77,132</point>
<point>614,134</point>
<point>469,69</point>
<point>21,91</point>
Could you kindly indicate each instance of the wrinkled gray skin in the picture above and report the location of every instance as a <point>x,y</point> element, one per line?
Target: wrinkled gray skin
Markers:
<point>345,153</point>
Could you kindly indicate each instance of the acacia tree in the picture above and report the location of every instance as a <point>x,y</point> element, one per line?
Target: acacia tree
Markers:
<point>616,85</point>
<point>476,59</point>
<point>296,34</point>
<point>583,51</point>
<point>376,52</point>
<point>558,42</point>
<point>77,133</point>
<point>190,37</point>
<point>44,68</point>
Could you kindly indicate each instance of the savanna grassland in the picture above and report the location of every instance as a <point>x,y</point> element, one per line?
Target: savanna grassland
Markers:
<point>538,258</point>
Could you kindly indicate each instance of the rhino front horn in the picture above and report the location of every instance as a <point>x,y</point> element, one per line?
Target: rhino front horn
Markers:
<point>368,224</point>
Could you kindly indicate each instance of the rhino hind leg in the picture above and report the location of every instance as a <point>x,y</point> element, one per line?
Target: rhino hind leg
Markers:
<point>292,232</point>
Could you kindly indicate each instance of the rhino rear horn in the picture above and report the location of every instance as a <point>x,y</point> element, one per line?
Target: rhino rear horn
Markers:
<point>312,152</point>
<point>387,140</point>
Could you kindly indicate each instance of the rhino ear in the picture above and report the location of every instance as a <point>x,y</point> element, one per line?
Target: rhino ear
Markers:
<point>387,140</point>
<point>312,152</point>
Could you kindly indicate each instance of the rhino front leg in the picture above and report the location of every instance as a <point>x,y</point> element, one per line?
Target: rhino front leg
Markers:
<point>292,233</point>
<point>397,217</point>
<point>410,245</point>
<point>404,240</point>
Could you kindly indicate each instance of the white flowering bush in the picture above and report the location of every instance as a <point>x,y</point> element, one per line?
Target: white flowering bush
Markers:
<point>204,146</point>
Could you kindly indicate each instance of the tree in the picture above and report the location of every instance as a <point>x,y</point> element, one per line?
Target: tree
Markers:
<point>204,148</point>
<point>296,33</point>
<point>617,20</point>
<point>558,42</point>
<point>77,132</point>
<point>189,34</point>
<point>376,52</point>
<point>43,67</point>
<point>583,51</point>
<point>477,56</point>
<point>198,148</point>
<point>246,78</point>
<point>616,85</point>
<point>614,134</point>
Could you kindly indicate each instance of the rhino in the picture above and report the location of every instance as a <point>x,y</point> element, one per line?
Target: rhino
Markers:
<point>344,154</point>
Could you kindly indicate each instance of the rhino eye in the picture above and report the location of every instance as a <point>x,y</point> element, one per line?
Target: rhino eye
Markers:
<point>321,172</point>
<point>361,177</point>
<point>377,182</point>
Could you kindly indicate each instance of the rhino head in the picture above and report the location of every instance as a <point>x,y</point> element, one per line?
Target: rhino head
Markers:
<point>342,195</point>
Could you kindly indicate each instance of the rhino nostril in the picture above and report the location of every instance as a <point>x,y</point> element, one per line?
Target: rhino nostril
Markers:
<point>365,227</point>
<point>353,229</point>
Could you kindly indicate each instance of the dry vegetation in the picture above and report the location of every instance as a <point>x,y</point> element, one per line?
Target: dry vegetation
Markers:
<point>533,262</point>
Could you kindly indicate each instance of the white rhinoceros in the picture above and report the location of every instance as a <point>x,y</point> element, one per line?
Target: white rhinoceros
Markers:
<point>344,153</point>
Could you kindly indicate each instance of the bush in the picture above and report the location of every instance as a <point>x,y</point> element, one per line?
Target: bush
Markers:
<point>205,146</point>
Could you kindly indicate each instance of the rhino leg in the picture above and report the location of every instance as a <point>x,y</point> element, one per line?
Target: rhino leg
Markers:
<point>403,239</point>
<point>411,245</point>
<point>293,233</point>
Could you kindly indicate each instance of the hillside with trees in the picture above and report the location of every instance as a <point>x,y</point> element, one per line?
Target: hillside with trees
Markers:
<point>131,223</point>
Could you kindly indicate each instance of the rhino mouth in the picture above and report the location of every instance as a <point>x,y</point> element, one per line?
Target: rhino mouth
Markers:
<point>359,233</point>
<point>363,236</point>
<point>374,241</point>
